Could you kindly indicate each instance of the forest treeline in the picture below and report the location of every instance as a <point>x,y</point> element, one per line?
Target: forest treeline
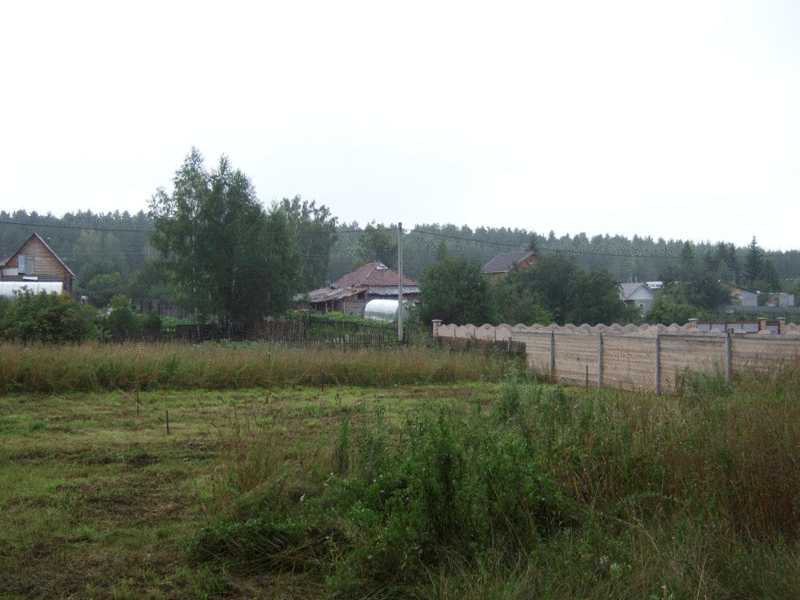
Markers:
<point>111,253</point>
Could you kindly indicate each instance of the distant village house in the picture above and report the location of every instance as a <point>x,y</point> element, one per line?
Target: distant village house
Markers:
<point>502,264</point>
<point>639,295</point>
<point>350,294</point>
<point>741,296</point>
<point>35,268</point>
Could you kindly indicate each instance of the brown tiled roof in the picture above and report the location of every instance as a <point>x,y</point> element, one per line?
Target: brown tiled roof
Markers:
<point>374,274</point>
<point>503,263</point>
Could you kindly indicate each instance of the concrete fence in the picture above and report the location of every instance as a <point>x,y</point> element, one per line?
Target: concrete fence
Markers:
<point>648,358</point>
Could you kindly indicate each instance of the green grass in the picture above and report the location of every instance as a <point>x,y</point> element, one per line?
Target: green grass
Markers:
<point>466,489</point>
<point>138,366</point>
<point>98,501</point>
<point>540,492</point>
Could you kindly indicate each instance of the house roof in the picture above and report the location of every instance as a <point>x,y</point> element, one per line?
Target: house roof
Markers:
<point>736,288</point>
<point>503,263</point>
<point>375,278</point>
<point>627,290</point>
<point>38,238</point>
<point>372,275</point>
<point>329,294</point>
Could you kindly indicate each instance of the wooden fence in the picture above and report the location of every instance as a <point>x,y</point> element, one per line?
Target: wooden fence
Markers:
<point>648,358</point>
<point>308,331</point>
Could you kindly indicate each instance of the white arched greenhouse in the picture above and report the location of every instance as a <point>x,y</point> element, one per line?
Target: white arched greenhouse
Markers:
<point>384,310</point>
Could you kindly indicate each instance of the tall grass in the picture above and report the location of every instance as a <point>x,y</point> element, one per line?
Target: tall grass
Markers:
<point>138,366</point>
<point>548,492</point>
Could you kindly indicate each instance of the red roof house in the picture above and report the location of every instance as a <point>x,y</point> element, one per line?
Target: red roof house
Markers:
<point>350,293</point>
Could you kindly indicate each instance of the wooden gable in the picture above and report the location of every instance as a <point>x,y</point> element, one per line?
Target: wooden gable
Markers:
<point>35,261</point>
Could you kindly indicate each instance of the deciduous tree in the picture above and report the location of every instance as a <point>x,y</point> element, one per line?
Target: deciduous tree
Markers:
<point>454,290</point>
<point>231,260</point>
<point>376,243</point>
<point>313,230</point>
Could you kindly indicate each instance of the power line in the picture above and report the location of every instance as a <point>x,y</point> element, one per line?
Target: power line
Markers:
<point>63,226</point>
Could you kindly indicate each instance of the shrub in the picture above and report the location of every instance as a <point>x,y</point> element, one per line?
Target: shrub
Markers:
<point>49,318</point>
<point>121,318</point>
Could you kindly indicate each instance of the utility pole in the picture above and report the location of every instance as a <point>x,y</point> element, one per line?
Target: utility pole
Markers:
<point>400,283</point>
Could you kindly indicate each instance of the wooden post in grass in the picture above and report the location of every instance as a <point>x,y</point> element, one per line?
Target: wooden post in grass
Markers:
<point>728,357</point>
<point>600,360</point>
<point>658,364</point>
<point>167,421</point>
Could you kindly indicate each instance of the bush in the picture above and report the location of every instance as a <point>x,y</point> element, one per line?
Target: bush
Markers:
<point>121,319</point>
<point>49,318</point>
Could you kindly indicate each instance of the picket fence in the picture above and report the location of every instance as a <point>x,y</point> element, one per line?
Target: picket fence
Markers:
<point>654,358</point>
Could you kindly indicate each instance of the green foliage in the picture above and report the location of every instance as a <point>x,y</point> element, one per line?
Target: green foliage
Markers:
<point>176,366</point>
<point>49,318</point>
<point>102,287</point>
<point>694,284</point>
<point>100,257</point>
<point>724,263</point>
<point>376,243</point>
<point>547,492</point>
<point>152,323</point>
<point>455,488</point>
<point>514,303</point>
<point>230,259</point>
<point>627,259</point>
<point>759,272</point>
<point>672,306</point>
<point>313,230</point>
<point>153,279</point>
<point>454,290</point>
<point>121,318</point>
<point>556,287</point>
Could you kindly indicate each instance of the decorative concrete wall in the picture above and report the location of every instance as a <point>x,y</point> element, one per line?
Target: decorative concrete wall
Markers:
<point>647,358</point>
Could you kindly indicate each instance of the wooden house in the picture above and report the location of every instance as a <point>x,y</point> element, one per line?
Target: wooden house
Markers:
<point>741,296</point>
<point>350,293</point>
<point>503,263</point>
<point>638,295</point>
<point>37,268</point>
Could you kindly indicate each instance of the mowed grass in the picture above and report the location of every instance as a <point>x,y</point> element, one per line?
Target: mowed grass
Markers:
<point>99,500</point>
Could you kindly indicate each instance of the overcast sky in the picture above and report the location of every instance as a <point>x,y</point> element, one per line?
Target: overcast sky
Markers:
<point>669,119</point>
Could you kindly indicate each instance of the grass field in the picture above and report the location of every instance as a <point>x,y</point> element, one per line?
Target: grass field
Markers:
<point>98,500</point>
<point>487,485</point>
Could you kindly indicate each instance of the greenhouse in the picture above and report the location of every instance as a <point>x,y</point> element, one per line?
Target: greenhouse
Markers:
<point>384,310</point>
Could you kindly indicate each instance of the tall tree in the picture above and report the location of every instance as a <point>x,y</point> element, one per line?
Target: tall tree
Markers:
<point>231,260</point>
<point>759,272</point>
<point>753,263</point>
<point>454,290</point>
<point>557,287</point>
<point>314,232</point>
<point>376,243</point>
